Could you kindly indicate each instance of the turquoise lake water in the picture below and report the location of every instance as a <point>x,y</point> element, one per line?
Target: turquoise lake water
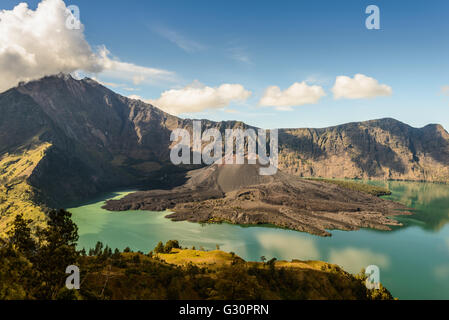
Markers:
<point>413,259</point>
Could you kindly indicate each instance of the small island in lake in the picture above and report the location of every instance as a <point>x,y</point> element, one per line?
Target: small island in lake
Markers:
<point>238,194</point>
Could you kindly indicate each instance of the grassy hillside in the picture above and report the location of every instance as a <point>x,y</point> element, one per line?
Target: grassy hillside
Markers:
<point>16,195</point>
<point>197,274</point>
<point>207,258</point>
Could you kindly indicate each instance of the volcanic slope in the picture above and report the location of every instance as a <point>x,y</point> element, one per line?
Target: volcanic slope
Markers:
<point>238,194</point>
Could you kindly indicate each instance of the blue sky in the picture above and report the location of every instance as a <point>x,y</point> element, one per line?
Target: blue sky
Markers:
<point>258,44</point>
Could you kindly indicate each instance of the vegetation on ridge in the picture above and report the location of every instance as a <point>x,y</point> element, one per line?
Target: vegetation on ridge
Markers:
<point>357,186</point>
<point>16,194</point>
<point>35,269</point>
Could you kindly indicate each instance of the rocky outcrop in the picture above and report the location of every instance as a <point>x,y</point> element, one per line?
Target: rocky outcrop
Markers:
<point>377,149</point>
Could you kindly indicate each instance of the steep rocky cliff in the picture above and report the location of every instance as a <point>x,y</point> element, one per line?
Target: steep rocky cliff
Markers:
<point>377,149</point>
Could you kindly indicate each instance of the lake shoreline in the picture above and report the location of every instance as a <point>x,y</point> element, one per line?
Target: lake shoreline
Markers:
<point>423,235</point>
<point>239,195</point>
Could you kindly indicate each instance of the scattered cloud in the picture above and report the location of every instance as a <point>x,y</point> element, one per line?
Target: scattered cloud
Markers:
<point>297,94</point>
<point>36,43</point>
<point>239,54</point>
<point>181,41</point>
<point>354,259</point>
<point>131,89</point>
<point>198,97</point>
<point>359,87</point>
<point>319,79</point>
<point>114,68</point>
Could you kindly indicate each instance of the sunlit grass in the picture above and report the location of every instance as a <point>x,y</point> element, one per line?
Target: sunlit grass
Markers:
<point>16,195</point>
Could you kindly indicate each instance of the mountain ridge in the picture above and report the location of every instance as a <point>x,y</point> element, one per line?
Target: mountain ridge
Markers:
<point>99,140</point>
<point>371,121</point>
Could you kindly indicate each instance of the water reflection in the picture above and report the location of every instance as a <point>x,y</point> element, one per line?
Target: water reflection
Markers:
<point>355,259</point>
<point>430,200</point>
<point>442,272</point>
<point>288,245</point>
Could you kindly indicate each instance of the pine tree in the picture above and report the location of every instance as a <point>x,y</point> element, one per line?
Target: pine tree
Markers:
<point>159,248</point>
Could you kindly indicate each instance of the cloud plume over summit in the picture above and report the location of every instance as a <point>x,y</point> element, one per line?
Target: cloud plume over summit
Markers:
<point>35,43</point>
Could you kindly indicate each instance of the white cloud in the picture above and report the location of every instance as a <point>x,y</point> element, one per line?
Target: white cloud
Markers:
<point>198,97</point>
<point>179,40</point>
<point>359,87</point>
<point>114,68</point>
<point>35,43</point>
<point>296,95</point>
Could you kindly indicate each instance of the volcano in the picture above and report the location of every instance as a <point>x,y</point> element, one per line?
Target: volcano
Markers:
<point>237,194</point>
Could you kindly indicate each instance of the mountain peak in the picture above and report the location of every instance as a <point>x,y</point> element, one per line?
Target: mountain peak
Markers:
<point>60,76</point>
